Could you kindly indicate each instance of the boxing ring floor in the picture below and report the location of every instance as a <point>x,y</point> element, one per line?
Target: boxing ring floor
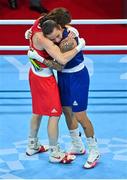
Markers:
<point>107,110</point>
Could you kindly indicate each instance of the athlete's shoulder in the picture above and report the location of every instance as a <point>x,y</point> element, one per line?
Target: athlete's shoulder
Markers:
<point>36,25</point>
<point>72,29</point>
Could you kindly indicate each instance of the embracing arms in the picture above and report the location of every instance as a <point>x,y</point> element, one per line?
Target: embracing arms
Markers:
<point>40,42</point>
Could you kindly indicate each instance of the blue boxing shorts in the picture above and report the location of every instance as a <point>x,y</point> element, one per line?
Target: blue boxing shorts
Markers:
<point>74,89</point>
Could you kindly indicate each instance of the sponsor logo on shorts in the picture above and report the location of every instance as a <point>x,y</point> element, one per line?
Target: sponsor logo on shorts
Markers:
<point>54,110</point>
<point>75,103</point>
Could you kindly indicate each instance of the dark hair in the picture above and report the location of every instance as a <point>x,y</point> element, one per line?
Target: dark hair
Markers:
<point>48,27</point>
<point>60,15</point>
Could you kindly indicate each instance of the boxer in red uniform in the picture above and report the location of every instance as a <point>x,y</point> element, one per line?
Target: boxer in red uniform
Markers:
<point>45,94</point>
<point>43,103</point>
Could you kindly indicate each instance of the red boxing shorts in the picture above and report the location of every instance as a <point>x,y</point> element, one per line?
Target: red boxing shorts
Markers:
<point>45,95</point>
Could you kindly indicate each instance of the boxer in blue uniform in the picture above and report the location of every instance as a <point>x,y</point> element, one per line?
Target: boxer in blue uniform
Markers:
<point>73,82</point>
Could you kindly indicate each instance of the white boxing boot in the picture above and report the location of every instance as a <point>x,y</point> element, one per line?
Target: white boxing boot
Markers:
<point>77,146</point>
<point>35,147</point>
<point>93,155</point>
<point>57,156</point>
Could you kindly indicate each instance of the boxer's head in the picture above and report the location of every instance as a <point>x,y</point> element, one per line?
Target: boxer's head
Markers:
<point>52,31</point>
<point>60,15</point>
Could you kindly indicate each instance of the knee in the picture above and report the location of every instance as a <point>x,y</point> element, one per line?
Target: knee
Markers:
<point>81,117</point>
<point>36,117</point>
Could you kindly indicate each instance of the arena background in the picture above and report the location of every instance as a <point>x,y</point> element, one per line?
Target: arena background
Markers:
<point>107,98</point>
<point>80,9</point>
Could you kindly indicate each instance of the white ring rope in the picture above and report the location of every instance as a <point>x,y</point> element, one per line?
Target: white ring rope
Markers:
<point>75,21</point>
<point>24,48</point>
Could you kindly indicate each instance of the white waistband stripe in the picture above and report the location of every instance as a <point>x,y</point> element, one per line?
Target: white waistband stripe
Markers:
<point>74,69</point>
<point>45,72</point>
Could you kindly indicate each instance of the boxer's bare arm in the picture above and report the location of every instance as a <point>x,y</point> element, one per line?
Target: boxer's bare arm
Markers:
<point>48,62</point>
<point>66,45</point>
<point>53,64</point>
<point>40,42</point>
